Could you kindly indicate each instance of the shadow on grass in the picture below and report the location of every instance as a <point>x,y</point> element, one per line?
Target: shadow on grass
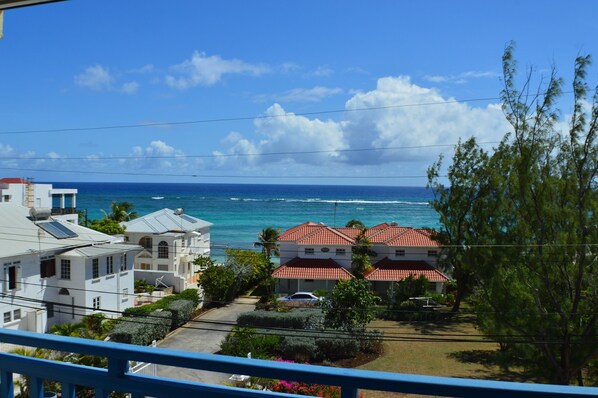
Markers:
<point>447,323</point>
<point>497,365</point>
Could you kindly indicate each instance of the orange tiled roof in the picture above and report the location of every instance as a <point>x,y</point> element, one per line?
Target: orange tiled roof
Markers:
<point>397,270</point>
<point>325,236</point>
<point>9,180</point>
<point>350,232</point>
<point>301,268</point>
<point>297,232</point>
<point>412,237</point>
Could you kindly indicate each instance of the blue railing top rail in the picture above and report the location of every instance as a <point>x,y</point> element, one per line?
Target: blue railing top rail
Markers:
<point>349,379</point>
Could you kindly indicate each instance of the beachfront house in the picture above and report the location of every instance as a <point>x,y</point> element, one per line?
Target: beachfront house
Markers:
<point>61,201</point>
<point>56,272</point>
<point>315,256</point>
<point>171,241</point>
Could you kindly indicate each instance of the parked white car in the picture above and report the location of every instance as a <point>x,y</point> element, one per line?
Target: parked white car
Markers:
<point>306,298</point>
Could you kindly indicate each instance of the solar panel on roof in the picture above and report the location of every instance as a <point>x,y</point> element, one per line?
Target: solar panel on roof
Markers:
<point>188,218</point>
<point>57,230</point>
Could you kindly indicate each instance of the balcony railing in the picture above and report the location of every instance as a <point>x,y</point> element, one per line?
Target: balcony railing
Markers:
<point>118,378</point>
<point>56,211</point>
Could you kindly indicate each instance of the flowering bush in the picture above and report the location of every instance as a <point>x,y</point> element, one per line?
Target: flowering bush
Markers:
<point>312,390</point>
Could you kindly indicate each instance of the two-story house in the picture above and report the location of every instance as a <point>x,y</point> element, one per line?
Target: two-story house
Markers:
<point>315,256</point>
<point>171,241</point>
<point>56,272</point>
<point>61,201</point>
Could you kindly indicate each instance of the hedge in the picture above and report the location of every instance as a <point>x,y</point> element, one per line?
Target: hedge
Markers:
<point>142,330</point>
<point>188,294</point>
<point>297,319</point>
<point>181,312</point>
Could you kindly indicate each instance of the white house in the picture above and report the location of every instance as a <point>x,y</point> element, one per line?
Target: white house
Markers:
<point>63,202</point>
<point>315,256</point>
<point>171,240</point>
<point>56,272</point>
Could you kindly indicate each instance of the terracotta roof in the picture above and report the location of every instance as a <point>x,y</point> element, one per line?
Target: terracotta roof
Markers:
<point>384,235</point>
<point>396,270</point>
<point>13,181</point>
<point>325,236</point>
<point>297,232</point>
<point>350,232</point>
<point>412,237</point>
<point>302,268</point>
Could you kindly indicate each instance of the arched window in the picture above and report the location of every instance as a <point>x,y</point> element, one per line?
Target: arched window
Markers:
<point>64,292</point>
<point>146,242</point>
<point>162,250</point>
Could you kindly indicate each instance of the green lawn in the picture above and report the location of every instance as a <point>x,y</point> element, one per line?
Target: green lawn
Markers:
<point>452,358</point>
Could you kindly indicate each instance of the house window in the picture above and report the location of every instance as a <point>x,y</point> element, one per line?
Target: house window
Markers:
<point>162,267</point>
<point>7,316</point>
<point>96,303</point>
<point>65,269</point>
<point>95,268</point>
<point>146,242</point>
<point>144,266</point>
<point>163,250</point>
<point>12,274</point>
<point>400,253</point>
<point>432,253</point>
<point>125,294</point>
<point>309,250</point>
<point>50,310</point>
<point>109,265</point>
<point>123,262</point>
<point>16,315</point>
<point>47,267</point>
<point>340,252</point>
<point>325,249</point>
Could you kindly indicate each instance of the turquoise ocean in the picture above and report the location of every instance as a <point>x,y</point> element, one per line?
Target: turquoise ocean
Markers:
<point>240,211</point>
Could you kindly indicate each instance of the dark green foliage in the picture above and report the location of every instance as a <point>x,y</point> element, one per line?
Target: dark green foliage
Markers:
<point>409,287</point>
<point>181,312</point>
<point>296,319</point>
<point>107,226</point>
<point>190,294</point>
<point>371,341</point>
<point>142,286</point>
<point>217,283</point>
<point>350,305</point>
<point>337,347</point>
<point>241,341</point>
<point>142,330</point>
<point>299,349</point>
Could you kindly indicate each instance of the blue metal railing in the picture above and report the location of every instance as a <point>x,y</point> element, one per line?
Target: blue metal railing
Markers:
<point>117,377</point>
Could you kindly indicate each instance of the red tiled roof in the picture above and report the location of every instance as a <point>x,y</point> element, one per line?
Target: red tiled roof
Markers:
<point>396,270</point>
<point>297,232</point>
<point>325,236</point>
<point>382,236</point>
<point>301,268</point>
<point>412,237</point>
<point>13,181</point>
<point>350,232</point>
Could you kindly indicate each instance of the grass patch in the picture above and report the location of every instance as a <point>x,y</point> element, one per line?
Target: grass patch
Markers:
<point>455,352</point>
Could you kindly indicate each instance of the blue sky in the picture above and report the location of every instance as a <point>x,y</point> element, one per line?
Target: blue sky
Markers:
<point>259,78</point>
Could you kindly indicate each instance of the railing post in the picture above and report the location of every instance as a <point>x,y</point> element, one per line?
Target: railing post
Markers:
<point>7,388</point>
<point>36,387</point>
<point>349,392</point>
<point>117,367</point>
<point>68,390</point>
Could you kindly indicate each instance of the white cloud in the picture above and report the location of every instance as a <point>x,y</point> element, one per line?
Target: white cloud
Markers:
<point>130,87</point>
<point>314,94</point>
<point>461,78</point>
<point>95,78</point>
<point>387,116</point>
<point>322,71</point>
<point>205,70</point>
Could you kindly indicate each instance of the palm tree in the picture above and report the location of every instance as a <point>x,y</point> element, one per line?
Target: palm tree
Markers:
<point>268,241</point>
<point>121,211</point>
<point>353,223</point>
<point>361,252</point>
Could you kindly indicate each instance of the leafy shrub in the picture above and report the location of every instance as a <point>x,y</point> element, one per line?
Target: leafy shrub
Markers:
<point>190,294</point>
<point>371,341</point>
<point>181,312</point>
<point>142,330</point>
<point>337,346</point>
<point>241,341</point>
<point>217,283</point>
<point>142,286</point>
<point>299,348</point>
<point>296,319</point>
<point>322,292</point>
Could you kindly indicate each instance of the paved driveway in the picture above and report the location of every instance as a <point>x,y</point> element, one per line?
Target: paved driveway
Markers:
<point>204,334</point>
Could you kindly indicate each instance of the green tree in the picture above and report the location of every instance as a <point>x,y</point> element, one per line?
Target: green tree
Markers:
<point>107,226</point>
<point>353,223</point>
<point>409,287</point>
<point>121,211</point>
<point>268,241</point>
<point>217,282</point>
<point>360,254</point>
<point>534,220</point>
<point>249,267</point>
<point>349,305</point>
<point>457,207</point>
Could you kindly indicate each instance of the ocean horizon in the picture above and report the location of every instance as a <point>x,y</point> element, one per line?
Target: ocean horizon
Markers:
<point>240,211</point>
